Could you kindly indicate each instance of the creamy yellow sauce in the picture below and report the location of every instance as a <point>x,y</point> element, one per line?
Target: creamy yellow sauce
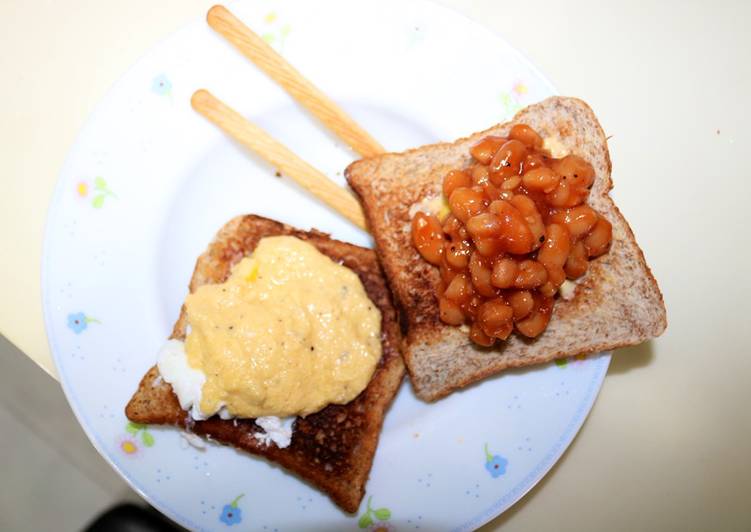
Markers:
<point>288,333</point>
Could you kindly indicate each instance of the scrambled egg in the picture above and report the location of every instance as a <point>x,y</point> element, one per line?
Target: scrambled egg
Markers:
<point>288,333</point>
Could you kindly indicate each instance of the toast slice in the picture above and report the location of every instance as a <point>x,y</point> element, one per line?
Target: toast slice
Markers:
<point>334,448</point>
<point>617,303</point>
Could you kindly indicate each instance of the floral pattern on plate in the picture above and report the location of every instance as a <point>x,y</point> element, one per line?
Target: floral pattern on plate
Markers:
<point>99,192</point>
<point>375,518</point>
<point>136,435</point>
<point>231,513</point>
<point>495,464</point>
<point>79,322</point>
<point>146,176</point>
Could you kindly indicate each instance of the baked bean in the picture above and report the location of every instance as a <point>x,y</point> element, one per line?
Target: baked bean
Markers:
<point>488,247</point>
<point>455,179</point>
<point>456,254</point>
<point>598,240</point>
<point>517,236</point>
<point>577,171</point>
<point>524,205</point>
<point>447,273</point>
<point>554,252</point>
<point>484,150</point>
<point>560,195</point>
<point>470,308</point>
<point>507,161</point>
<point>465,203</point>
<point>480,175</point>
<point>496,318</point>
<point>576,264</point>
<point>532,217</point>
<point>578,220</point>
<point>504,273</point>
<point>518,226</point>
<point>532,161</point>
<point>499,207</point>
<point>542,179</point>
<point>526,135</point>
<point>477,335</point>
<point>511,183</point>
<point>556,275</point>
<point>578,196</point>
<point>459,289</point>
<point>427,237</point>
<point>454,229</point>
<point>480,274</point>
<point>531,274</point>
<point>548,289</point>
<point>450,312</point>
<point>565,195</point>
<point>484,225</point>
<point>491,192</point>
<point>522,303</point>
<point>538,320</point>
<point>463,233</point>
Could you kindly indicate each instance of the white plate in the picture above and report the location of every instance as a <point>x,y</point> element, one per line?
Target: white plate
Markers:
<point>147,184</point>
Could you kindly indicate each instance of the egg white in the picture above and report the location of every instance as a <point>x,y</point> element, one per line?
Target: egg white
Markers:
<point>187,383</point>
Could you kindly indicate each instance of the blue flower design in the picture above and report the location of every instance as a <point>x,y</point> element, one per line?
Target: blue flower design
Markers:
<point>162,85</point>
<point>495,464</point>
<point>231,514</point>
<point>79,321</point>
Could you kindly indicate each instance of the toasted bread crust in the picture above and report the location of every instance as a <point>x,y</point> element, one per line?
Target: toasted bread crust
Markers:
<point>617,303</point>
<point>333,448</point>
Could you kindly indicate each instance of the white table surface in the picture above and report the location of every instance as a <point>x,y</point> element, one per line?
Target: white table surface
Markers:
<point>667,444</point>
